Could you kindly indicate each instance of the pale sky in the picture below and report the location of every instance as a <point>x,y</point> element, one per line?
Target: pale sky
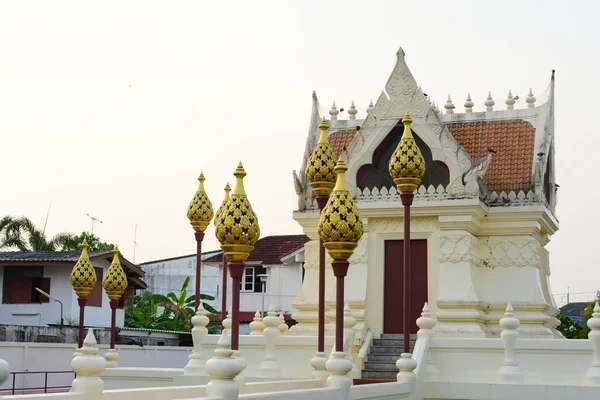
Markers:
<point>113,108</point>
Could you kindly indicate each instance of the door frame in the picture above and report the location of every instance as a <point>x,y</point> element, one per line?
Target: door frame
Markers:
<point>377,277</point>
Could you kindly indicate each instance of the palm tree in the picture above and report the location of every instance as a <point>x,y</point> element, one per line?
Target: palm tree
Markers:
<point>22,234</point>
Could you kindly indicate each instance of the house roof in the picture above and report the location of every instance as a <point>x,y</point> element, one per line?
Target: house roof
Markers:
<point>573,309</point>
<point>513,141</point>
<point>204,256</point>
<point>270,249</point>
<point>68,258</point>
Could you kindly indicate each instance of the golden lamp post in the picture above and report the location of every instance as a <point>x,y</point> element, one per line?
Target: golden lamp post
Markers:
<point>237,230</point>
<point>340,229</point>
<point>200,213</point>
<point>224,278</point>
<point>321,176</point>
<point>407,167</point>
<point>83,279</point>
<point>114,284</point>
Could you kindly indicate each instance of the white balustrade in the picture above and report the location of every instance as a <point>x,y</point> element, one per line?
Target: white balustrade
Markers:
<point>592,376</point>
<point>509,372</point>
<point>196,362</point>
<point>88,367</point>
<point>283,328</point>
<point>256,326</point>
<point>223,368</point>
<point>269,367</point>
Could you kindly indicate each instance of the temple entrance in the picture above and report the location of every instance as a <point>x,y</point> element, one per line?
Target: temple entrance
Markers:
<point>393,280</point>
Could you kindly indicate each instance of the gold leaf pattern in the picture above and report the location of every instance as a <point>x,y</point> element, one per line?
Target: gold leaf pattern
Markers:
<point>407,165</point>
<point>115,280</point>
<point>200,210</point>
<point>222,206</point>
<point>319,169</point>
<point>83,276</point>
<point>237,226</point>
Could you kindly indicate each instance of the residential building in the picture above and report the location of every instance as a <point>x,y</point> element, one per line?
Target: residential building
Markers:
<point>21,273</point>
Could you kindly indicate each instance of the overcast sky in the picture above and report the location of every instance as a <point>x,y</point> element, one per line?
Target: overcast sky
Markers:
<point>113,108</point>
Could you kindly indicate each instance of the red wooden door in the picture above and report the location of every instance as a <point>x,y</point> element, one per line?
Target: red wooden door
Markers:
<point>393,280</point>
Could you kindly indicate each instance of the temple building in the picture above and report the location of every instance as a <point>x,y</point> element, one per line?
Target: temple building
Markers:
<point>481,218</point>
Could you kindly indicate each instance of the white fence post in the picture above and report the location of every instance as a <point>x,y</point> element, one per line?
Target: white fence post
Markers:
<point>349,334</point>
<point>223,369</point>
<point>592,376</point>
<point>196,363</point>
<point>509,372</point>
<point>88,367</point>
<point>257,326</point>
<point>4,372</point>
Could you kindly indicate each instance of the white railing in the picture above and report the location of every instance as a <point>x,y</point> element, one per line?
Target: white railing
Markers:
<point>391,194</point>
<point>511,198</point>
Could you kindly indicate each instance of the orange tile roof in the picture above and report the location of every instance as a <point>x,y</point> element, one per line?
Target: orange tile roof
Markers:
<point>513,140</point>
<point>340,139</point>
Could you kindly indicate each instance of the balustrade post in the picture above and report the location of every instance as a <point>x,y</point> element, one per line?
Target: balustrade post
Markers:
<point>509,372</point>
<point>223,368</point>
<point>269,367</point>
<point>196,362</point>
<point>257,326</point>
<point>349,335</point>
<point>88,367</point>
<point>283,328</point>
<point>4,373</point>
<point>592,376</point>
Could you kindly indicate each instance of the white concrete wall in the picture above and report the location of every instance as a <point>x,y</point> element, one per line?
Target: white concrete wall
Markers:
<point>168,276</point>
<point>49,313</point>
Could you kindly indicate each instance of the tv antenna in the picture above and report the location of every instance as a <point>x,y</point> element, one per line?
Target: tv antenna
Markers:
<point>94,219</point>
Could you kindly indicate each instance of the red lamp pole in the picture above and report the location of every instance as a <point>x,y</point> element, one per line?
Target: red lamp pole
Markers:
<point>236,269</point>
<point>199,237</point>
<point>224,291</point>
<point>322,202</point>
<point>407,199</point>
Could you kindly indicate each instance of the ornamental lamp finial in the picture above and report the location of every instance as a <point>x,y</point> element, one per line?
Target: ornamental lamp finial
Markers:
<point>340,226</point>
<point>115,280</point>
<point>83,276</point>
<point>407,165</point>
<point>319,169</point>
<point>237,227</point>
<point>200,210</point>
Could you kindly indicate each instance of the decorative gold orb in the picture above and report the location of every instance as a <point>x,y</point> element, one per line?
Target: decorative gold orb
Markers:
<point>237,228</point>
<point>407,165</point>
<point>340,226</point>
<point>83,276</point>
<point>200,211</point>
<point>115,280</point>
<point>319,169</point>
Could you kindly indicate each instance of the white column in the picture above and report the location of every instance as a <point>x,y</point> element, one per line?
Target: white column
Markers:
<point>88,367</point>
<point>509,372</point>
<point>592,376</point>
<point>269,367</point>
<point>223,369</point>
<point>196,362</point>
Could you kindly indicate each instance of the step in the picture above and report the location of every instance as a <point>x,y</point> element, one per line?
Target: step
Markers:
<point>383,357</point>
<point>369,374</point>
<point>413,336</point>
<point>391,342</point>
<point>370,381</point>
<point>380,366</point>
<point>386,350</point>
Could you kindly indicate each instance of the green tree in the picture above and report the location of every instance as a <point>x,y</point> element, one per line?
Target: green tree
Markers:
<point>176,314</point>
<point>95,244</point>
<point>571,329</point>
<point>22,234</point>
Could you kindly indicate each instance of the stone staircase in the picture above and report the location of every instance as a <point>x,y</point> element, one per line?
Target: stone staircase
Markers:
<point>384,352</point>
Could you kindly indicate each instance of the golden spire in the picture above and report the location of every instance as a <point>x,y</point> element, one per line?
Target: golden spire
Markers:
<point>200,211</point>
<point>407,165</point>
<point>319,169</point>
<point>83,275</point>
<point>115,280</point>
<point>340,226</point>
<point>237,227</point>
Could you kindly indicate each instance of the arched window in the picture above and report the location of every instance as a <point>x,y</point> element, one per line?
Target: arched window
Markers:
<point>377,173</point>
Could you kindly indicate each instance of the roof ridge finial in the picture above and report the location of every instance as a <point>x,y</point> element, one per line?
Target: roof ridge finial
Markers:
<point>334,112</point>
<point>449,106</point>
<point>510,101</point>
<point>530,100</point>
<point>489,102</point>
<point>469,104</point>
<point>352,111</point>
<point>370,108</point>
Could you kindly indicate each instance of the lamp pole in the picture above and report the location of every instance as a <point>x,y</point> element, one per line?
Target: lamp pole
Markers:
<point>225,276</point>
<point>263,280</point>
<point>237,230</point>
<point>407,168</point>
<point>55,299</point>
<point>83,279</point>
<point>320,174</point>
<point>114,284</point>
<point>340,228</point>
